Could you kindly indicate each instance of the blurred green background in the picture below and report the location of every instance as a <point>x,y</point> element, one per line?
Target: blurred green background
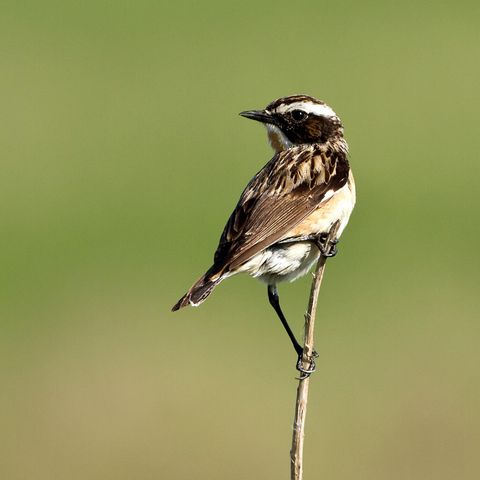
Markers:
<point>123,155</point>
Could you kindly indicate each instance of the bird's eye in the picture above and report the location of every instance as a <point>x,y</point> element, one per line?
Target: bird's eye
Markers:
<point>298,115</point>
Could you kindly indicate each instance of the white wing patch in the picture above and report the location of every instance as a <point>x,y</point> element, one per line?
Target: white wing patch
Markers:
<point>328,195</point>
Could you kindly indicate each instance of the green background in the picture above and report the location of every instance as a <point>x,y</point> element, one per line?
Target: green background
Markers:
<point>122,156</point>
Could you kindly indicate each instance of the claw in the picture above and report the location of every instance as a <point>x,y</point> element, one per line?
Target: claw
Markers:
<point>306,372</point>
<point>331,251</point>
<point>327,250</point>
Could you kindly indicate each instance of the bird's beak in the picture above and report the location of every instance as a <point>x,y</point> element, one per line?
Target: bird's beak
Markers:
<point>259,115</point>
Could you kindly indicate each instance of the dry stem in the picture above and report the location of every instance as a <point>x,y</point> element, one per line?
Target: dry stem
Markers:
<point>296,453</point>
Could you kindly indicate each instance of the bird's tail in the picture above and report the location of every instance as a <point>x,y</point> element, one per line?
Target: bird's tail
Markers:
<point>200,290</point>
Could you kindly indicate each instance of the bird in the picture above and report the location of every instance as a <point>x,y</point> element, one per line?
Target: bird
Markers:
<point>281,223</point>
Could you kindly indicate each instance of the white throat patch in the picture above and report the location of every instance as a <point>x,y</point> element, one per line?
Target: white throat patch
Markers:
<point>277,138</point>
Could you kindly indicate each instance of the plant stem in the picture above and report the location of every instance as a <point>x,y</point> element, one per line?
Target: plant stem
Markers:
<point>296,452</point>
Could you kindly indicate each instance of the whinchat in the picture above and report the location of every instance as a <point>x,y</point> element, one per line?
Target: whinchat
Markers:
<point>278,228</point>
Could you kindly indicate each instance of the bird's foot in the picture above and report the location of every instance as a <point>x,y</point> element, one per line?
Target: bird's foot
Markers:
<point>305,372</point>
<point>327,248</point>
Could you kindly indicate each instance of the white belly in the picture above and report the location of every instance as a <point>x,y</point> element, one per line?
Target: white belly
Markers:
<point>282,262</point>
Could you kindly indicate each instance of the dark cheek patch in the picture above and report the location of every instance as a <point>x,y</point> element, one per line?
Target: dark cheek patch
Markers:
<point>308,131</point>
<point>313,129</point>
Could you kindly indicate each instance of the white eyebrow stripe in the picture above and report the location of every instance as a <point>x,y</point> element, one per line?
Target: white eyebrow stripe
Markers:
<point>309,107</point>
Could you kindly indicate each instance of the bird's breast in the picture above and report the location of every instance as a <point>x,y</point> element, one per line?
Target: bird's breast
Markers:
<point>338,207</point>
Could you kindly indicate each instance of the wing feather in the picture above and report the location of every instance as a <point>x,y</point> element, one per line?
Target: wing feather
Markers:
<point>286,191</point>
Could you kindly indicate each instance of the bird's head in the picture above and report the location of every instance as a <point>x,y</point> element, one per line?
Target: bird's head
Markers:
<point>296,120</point>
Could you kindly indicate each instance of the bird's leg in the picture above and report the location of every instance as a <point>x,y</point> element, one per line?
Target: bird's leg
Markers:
<point>275,303</point>
<point>327,249</point>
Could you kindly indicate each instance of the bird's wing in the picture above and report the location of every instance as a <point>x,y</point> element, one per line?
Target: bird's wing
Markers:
<point>286,191</point>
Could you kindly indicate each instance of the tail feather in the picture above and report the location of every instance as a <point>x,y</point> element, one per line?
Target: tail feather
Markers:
<point>198,293</point>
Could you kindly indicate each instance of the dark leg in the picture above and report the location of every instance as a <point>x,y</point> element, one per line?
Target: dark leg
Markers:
<point>275,303</point>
